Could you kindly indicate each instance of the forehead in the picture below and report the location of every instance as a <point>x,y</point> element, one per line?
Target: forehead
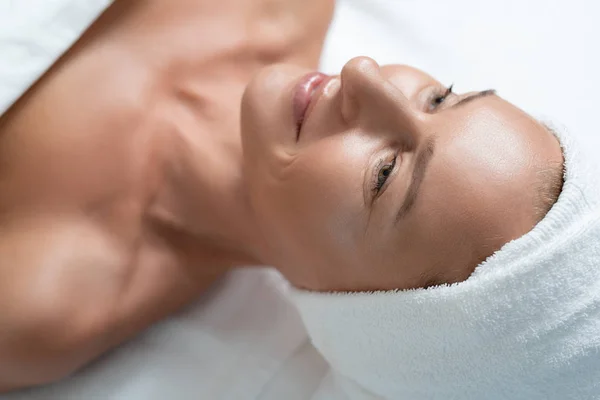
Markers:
<point>487,141</point>
<point>491,138</point>
<point>477,193</point>
<point>484,168</point>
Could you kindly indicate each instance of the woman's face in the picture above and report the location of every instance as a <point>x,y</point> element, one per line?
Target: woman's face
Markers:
<point>391,181</point>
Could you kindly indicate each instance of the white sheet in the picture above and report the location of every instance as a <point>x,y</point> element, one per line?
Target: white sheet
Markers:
<point>243,340</point>
<point>33,34</point>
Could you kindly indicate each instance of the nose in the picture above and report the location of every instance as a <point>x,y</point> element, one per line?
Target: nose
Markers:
<point>369,97</point>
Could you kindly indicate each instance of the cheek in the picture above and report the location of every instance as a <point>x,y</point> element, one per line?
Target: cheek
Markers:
<point>266,116</point>
<point>317,201</point>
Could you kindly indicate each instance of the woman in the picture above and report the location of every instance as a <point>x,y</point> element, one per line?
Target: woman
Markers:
<point>118,169</point>
<point>125,195</point>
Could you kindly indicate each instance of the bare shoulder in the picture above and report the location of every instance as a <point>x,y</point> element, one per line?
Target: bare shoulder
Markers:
<point>70,290</point>
<point>60,278</point>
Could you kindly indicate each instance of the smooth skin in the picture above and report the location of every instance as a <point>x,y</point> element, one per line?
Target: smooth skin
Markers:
<point>121,197</point>
<point>316,195</point>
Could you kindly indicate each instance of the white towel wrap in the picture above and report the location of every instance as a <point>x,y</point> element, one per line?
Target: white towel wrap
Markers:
<point>525,325</point>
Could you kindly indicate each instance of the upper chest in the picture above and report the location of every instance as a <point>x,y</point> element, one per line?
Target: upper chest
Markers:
<point>148,81</point>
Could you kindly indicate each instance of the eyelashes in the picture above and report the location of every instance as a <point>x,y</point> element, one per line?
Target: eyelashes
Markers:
<point>382,172</point>
<point>439,96</point>
<point>386,166</point>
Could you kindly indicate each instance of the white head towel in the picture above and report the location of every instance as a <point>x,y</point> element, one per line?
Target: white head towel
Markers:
<point>525,325</point>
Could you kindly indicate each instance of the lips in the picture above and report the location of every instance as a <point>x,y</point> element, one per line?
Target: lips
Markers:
<point>304,93</point>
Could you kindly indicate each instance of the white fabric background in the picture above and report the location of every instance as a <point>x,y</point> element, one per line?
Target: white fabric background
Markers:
<point>33,34</point>
<point>543,55</point>
<point>243,340</point>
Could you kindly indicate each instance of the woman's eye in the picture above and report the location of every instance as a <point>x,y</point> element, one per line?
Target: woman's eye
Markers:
<point>383,174</point>
<point>439,98</point>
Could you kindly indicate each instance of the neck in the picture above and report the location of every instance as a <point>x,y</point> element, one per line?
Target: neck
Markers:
<point>205,197</point>
<point>228,222</point>
<point>203,193</point>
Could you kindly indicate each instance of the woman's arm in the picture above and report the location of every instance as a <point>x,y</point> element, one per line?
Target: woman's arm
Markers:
<point>69,291</point>
<point>60,281</point>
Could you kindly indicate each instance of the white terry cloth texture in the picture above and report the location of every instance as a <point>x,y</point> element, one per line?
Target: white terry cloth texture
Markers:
<point>525,325</point>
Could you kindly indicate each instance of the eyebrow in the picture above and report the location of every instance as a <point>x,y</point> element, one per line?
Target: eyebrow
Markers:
<point>424,157</point>
<point>475,96</point>
<point>421,163</point>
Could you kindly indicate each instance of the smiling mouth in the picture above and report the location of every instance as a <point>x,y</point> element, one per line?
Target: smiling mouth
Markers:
<point>304,94</point>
